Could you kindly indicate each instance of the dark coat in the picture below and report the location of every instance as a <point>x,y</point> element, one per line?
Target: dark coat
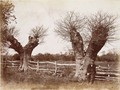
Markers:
<point>91,69</point>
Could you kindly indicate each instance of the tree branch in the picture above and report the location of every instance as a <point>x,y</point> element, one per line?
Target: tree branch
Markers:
<point>102,28</point>
<point>15,44</point>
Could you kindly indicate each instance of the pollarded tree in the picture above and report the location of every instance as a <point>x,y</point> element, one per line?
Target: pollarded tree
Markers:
<point>36,37</point>
<point>68,28</point>
<point>100,28</point>
<point>8,36</point>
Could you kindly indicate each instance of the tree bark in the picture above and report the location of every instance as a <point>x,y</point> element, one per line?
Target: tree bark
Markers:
<point>24,52</point>
<point>26,56</point>
<point>95,45</point>
<point>24,64</point>
<point>91,54</point>
<point>83,61</point>
<point>77,45</point>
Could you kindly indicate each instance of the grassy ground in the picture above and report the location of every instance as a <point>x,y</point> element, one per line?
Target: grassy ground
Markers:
<point>15,80</point>
<point>98,85</point>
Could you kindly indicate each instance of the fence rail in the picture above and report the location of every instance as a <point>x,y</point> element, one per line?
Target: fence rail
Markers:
<point>103,73</point>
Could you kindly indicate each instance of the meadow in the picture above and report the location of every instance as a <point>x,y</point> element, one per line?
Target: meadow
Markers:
<point>12,79</point>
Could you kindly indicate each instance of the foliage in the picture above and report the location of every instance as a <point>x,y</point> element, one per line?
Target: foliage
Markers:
<point>53,57</point>
<point>6,17</point>
<point>108,57</point>
<point>7,9</point>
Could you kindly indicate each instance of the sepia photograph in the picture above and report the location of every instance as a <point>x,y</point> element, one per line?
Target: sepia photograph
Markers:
<point>59,44</point>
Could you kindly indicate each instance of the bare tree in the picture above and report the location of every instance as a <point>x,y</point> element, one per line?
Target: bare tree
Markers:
<point>36,37</point>
<point>8,36</point>
<point>25,52</point>
<point>68,28</point>
<point>100,28</point>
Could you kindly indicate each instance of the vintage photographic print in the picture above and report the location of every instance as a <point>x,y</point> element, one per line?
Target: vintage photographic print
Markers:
<point>59,44</point>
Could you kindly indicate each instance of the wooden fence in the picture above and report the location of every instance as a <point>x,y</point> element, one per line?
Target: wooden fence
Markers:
<point>47,66</point>
<point>9,63</point>
<point>103,72</point>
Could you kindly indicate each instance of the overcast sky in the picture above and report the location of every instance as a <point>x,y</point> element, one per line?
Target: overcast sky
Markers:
<point>32,13</point>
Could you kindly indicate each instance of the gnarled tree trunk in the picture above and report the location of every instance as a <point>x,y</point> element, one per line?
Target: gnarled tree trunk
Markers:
<point>77,45</point>
<point>98,25</point>
<point>24,52</point>
<point>26,56</point>
<point>94,47</point>
<point>24,62</point>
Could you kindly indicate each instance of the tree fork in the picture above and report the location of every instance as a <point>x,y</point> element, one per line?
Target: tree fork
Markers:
<point>24,52</point>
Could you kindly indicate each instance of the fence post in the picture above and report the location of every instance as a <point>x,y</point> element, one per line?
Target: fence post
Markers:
<point>108,71</point>
<point>55,67</point>
<point>37,66</point>
<point>12,64</point>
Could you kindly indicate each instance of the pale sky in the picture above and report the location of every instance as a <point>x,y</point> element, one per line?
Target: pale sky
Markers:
<point>32,13</point>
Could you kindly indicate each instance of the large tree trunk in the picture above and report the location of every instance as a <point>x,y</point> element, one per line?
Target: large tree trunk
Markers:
<point>77,45</point>
<point>95,45</point>
<point>83,61</point>
<point>26,56</point>
<point>24,52</point>
<point>24,64</point>
<point>81,68</point>
<point>90,56</point>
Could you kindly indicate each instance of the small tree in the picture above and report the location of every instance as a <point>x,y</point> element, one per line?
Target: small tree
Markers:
<point>100,28</point>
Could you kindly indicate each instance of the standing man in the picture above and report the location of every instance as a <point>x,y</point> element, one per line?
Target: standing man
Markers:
<point>91,71</point>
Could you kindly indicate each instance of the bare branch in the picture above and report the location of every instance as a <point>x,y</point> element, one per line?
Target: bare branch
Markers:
<point>38,33</point>
<point>102,27</point>
<point>65,25</point>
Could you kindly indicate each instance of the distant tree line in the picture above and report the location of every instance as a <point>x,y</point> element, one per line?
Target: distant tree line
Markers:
<point>108,57</point>
<point>64,57</point>
<point>43,57</point>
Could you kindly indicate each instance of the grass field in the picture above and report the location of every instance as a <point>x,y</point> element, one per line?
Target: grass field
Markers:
<point>98,85</point>
<point>32,80</point>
